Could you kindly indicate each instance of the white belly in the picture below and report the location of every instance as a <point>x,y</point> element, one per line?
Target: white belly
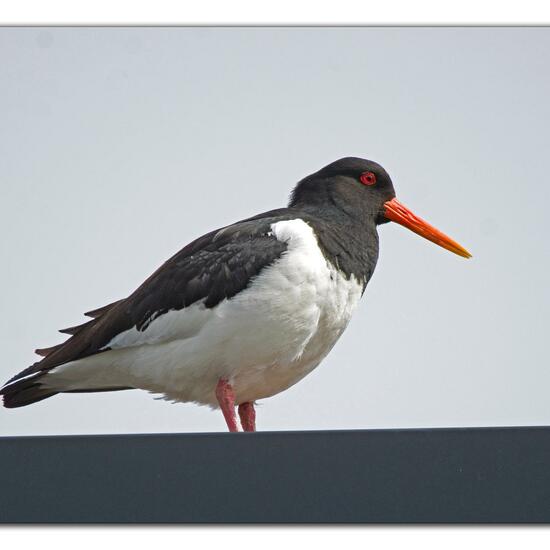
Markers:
<point>263,340</point>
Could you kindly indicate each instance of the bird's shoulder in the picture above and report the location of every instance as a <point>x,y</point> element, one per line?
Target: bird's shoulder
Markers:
<point>215,266</point>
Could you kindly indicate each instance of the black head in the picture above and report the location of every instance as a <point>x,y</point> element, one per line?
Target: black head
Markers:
<point>359,187</point>
<point>362,190</point>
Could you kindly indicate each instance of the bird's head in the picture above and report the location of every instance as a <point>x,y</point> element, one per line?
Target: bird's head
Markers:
<point>364,190</point>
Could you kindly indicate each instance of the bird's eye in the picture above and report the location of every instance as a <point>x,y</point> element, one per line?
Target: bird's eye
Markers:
<point>367,178</point>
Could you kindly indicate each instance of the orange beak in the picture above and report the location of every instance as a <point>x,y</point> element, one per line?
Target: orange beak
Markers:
<point>399,213</point>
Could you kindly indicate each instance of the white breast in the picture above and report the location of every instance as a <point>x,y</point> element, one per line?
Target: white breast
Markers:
<point>263,340</point>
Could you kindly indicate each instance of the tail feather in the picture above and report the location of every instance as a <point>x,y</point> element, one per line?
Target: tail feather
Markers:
<point>28,389</point>
<point>24,392</point>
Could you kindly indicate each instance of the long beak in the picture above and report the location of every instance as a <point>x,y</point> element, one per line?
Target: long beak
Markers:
<point>399,213</point>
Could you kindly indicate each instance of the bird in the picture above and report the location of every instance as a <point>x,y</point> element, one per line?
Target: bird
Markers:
<point>243,312</point>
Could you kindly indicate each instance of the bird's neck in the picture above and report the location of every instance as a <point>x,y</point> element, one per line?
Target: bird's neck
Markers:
<point>349,243</point>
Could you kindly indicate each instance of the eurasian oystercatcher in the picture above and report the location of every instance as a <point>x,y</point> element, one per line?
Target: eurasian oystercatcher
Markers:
<point>243,312</point>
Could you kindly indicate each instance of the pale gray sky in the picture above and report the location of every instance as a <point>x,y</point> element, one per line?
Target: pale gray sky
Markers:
<point>120,145</point>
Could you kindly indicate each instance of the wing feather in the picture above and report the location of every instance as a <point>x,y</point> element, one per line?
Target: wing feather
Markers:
<point>212,268</point>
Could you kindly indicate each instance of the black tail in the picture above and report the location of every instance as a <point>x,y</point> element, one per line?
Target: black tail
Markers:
<point>24,392</point>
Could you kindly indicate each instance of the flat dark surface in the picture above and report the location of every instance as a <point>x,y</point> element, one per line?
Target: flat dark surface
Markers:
<point>443,475</point>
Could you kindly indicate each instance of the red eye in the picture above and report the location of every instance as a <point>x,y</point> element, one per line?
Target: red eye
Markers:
<point>368,178</point>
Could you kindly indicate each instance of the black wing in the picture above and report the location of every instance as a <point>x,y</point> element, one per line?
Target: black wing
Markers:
<point>212,268</point>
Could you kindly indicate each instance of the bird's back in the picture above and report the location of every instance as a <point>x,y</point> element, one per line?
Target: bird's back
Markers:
<point>215,269</point>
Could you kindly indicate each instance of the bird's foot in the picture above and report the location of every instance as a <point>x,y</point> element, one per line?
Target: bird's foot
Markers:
<point>226,398</point>
<point>247,415</point>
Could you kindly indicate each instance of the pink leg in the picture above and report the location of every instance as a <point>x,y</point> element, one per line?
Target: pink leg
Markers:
<point>248,416</point>
<point>226,399</point>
